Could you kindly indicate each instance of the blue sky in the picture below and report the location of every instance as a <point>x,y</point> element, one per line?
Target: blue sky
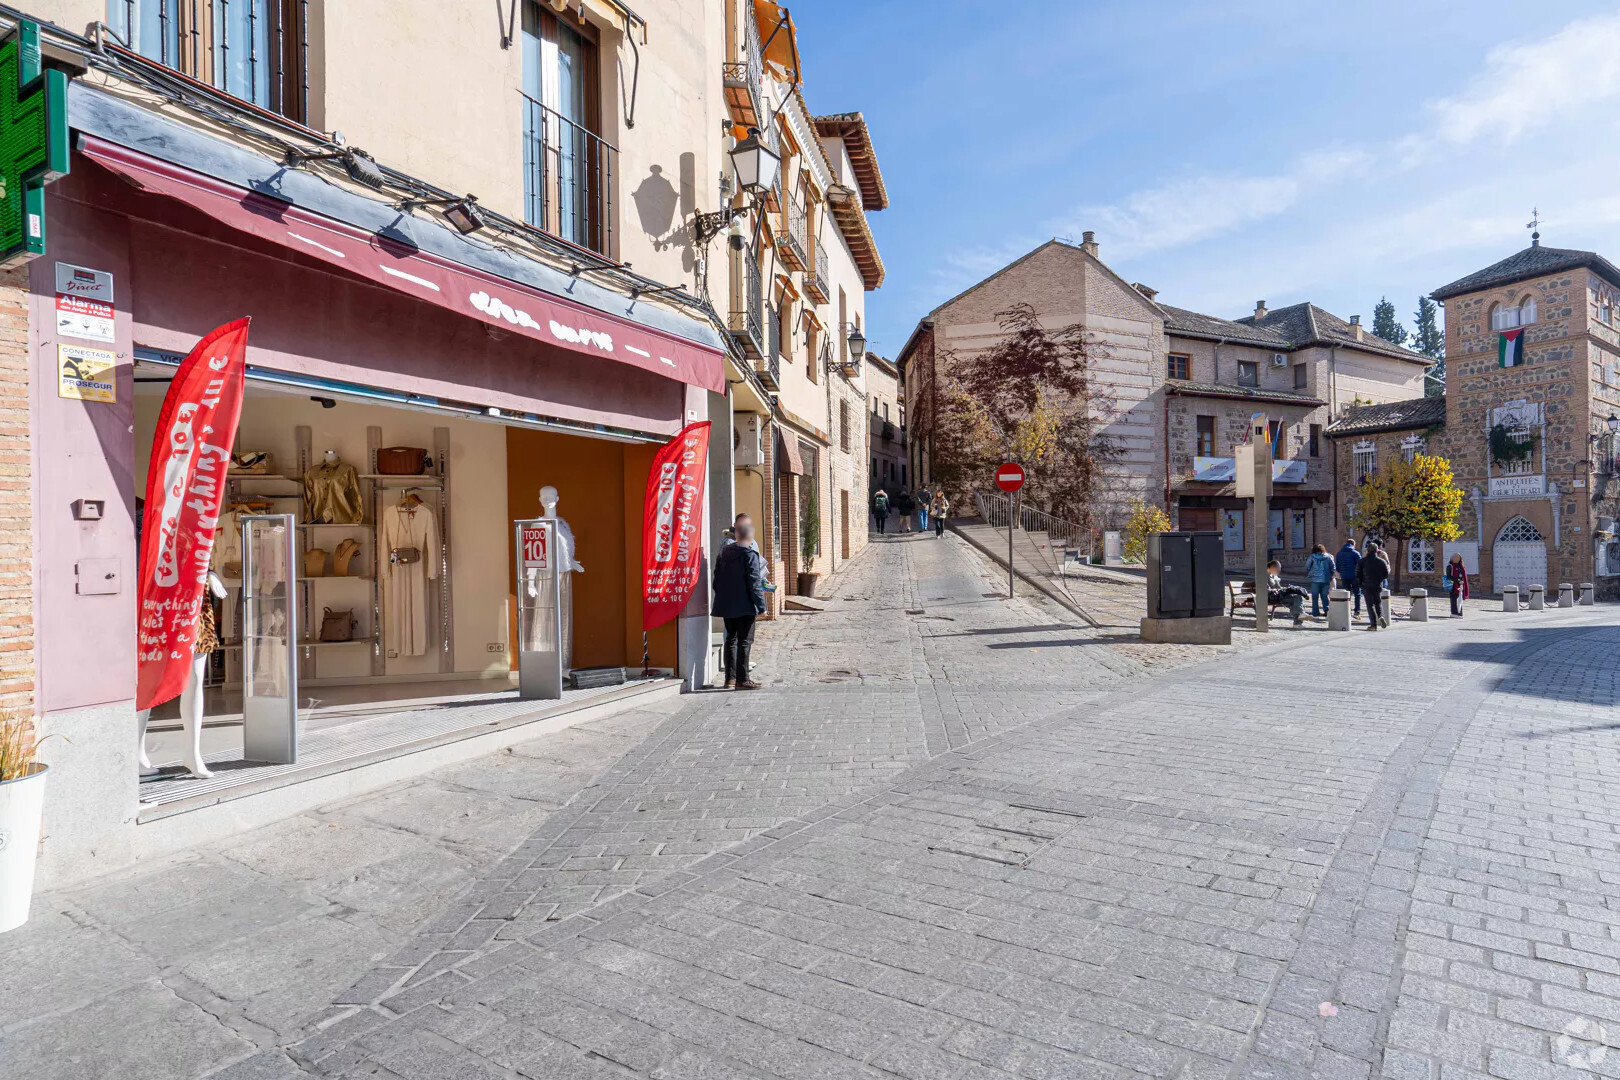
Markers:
<point>1224,152</point>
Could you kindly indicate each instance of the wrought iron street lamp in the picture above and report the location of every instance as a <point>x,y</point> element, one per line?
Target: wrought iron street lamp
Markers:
<point>755,164</point>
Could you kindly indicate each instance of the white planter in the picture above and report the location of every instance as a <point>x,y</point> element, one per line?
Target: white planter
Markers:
<point>21,804</point>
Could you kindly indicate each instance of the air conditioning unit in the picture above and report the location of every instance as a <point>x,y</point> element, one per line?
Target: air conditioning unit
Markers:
<point>745,440</point>
<point>1279,359</point>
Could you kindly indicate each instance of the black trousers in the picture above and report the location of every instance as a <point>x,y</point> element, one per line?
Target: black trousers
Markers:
<point>739,641</point>
<point>881,520</point>
<point>939,525</point>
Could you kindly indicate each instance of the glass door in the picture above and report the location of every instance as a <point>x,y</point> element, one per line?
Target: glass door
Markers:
<point>269,639</point>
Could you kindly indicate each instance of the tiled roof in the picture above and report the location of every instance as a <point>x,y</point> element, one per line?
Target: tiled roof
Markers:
<point>1243,393</point>
<point>1192,324</point>
<point>1423,412</point>
<point>1307,324</point>
<point>851,127</point>
<point>1534,261</point>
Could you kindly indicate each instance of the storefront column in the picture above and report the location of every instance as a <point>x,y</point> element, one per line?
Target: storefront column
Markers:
<point>692,630</point>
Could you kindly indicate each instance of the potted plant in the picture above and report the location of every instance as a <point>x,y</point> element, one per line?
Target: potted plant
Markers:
<point>809,541</point>
<point>22,798</point>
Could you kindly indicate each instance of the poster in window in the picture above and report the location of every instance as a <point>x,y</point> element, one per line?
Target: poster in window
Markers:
<point>1296,529</point>
<point>1276,523</point>
<point>1232,529</point>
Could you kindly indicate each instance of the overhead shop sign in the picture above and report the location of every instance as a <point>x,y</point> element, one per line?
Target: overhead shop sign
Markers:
<point>33,142</point>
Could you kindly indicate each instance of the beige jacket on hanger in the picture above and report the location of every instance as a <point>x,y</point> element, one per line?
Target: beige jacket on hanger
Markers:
<point>405,600</point>
<point>332,494</point>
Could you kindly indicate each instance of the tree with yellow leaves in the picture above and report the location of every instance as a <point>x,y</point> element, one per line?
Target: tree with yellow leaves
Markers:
<point>1144,521</point>
<point>1409,500</point>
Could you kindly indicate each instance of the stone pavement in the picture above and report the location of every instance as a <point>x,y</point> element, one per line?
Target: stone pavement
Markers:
<point>955,837</point>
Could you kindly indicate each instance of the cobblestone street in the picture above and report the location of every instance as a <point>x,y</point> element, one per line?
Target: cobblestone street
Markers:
<point>953,837</point>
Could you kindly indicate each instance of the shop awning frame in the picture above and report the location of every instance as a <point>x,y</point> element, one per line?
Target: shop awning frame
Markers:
<point>408,254</point>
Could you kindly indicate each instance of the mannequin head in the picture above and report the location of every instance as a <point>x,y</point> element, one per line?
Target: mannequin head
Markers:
<point>548,501</point>
<point>330,457</point>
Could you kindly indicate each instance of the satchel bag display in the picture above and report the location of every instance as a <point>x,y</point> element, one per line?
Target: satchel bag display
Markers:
<point>402,461</point>
<point>338,625</point>
<point>252,462</point>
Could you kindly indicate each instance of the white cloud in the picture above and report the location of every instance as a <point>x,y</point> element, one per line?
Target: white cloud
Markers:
<point>1185,211</point>
<point>1527,85</point>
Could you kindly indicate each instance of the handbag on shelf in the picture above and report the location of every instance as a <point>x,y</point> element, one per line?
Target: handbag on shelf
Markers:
<point>402,461</point>
<point>315,562</point>
<point>405,556</point>
<point>337,625</point>
<point>252,462</point>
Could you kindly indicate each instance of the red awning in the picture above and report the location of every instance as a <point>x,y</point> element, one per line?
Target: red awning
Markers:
<point>428,277</point>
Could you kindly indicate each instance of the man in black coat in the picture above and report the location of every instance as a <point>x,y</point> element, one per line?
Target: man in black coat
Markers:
<point>1372,572</point>
<point>739,598</point>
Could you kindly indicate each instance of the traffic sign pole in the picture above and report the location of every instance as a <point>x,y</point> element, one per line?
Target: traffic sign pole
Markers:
<point>1009,478</point>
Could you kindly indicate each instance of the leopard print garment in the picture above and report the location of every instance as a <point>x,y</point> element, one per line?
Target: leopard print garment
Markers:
<point>207,632</point>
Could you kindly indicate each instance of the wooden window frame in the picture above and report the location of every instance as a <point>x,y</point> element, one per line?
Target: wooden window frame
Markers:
<point>1178,366</point>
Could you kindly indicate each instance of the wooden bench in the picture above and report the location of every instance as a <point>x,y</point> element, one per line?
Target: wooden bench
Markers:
<point>1242,595</point>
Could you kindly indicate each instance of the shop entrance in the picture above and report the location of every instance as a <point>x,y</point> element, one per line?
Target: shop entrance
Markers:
<point>402,577</point>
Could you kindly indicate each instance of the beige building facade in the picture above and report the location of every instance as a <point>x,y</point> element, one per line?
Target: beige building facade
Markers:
<point>1177,389</point>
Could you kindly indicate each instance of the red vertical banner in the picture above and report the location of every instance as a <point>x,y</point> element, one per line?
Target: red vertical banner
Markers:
<point>672,526</point>
<point>185,487</point>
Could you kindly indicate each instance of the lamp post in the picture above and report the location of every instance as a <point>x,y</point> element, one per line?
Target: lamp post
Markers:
<point>755,166</point>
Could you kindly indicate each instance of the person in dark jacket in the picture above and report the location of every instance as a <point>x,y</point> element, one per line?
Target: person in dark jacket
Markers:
<point>1347,560</point>
<point>1457,583</point>
<point>1372,572</point>
<point>739,599</point>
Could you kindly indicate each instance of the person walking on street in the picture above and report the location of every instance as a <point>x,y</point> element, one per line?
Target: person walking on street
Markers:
<point>1372,572</point>
<point>904,505</point>
<point>880,509</point>
<point>739,599</point>
<point>1347,561</point>
<point>942,506</point>
<point>1319,571</point>
<point>925,502</point>
<point>1457,583</point>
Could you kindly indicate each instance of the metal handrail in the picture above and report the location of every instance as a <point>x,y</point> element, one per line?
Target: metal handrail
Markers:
<point>567,178</point>
<point>994,509</point>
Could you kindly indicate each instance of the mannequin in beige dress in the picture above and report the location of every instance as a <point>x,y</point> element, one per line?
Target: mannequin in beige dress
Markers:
<point>409,538</point>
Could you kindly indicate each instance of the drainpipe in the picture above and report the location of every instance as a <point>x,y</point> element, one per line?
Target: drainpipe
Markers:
<point>1333,414</point>
<point>1167,393</point>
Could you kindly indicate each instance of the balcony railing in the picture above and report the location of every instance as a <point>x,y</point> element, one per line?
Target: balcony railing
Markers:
<point>744,79</point>
<point>771,365</point>
<point>815,281</point>
<point>747,297</point>
<point>256,50</point>
<point>567,178</point>
<point>791,248</point>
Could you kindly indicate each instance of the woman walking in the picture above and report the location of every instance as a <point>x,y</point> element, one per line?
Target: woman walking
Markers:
<point>1457,583</point>
<point>941,507</point>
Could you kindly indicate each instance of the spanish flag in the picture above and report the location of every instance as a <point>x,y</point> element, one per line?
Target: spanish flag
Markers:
<point>1510,348</point>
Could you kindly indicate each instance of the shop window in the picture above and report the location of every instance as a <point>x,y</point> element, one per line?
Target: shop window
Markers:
<point>1248,373</point>
<point>567,165</point>
<point>1419,557</point>
<point>1232,529</point>
<point>1296,529</point>
<point>255,50</point>
<point>1206,436</point>
<point>1180,366</point>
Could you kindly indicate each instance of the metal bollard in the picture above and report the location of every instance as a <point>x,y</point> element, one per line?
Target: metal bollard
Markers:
<point>1566,594</point>
<point>1510,598</point>
<point>1588,594</point>
<point>1538,597</point>
<point>1420,605</point>
<point>1338,609</point>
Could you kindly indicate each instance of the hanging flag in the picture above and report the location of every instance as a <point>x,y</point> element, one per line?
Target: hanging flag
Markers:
<point>185,485</point>
<point>672,525</point>
<point>1510,348</point>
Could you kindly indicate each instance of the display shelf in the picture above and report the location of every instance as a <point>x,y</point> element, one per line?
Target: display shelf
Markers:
<point>336,525</point>
<point>418,480</point>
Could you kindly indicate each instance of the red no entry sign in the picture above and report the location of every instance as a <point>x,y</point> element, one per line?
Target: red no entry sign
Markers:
<point>1010,477</point>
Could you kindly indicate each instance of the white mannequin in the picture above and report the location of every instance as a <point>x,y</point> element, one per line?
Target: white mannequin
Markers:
<point>191,707</point>
<point>566,552</point>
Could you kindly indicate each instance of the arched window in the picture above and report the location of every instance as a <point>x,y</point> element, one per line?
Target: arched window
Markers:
<point>1527,310</point>
<point>1506,317</point>
<point>1519,531</point>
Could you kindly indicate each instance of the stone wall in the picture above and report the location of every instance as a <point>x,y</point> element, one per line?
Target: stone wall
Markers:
<point>16,487</point>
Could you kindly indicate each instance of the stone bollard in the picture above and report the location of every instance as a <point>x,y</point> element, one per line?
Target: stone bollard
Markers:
<point>1420,605</point>
<point>1383,606</point>
<point>1588,594</point>
<point>1538,597</point>
<point>1510,598</point>
<point>1566,594</point>
<point>1338,609</point>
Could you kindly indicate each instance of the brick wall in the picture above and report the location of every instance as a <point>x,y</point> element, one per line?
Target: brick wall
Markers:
<point>17,521</point>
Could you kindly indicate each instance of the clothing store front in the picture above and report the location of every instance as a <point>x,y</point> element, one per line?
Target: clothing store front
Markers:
<point>394,438</point>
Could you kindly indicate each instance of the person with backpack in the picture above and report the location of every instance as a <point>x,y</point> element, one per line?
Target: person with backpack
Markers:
<point>1319,571</point>
<point>1371,573</point>
<point>880,509</point>
<point>1347,561</point>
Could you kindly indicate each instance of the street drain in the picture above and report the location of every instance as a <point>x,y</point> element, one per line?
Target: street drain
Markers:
<point>1012,837</point>
<point>914,611</point>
